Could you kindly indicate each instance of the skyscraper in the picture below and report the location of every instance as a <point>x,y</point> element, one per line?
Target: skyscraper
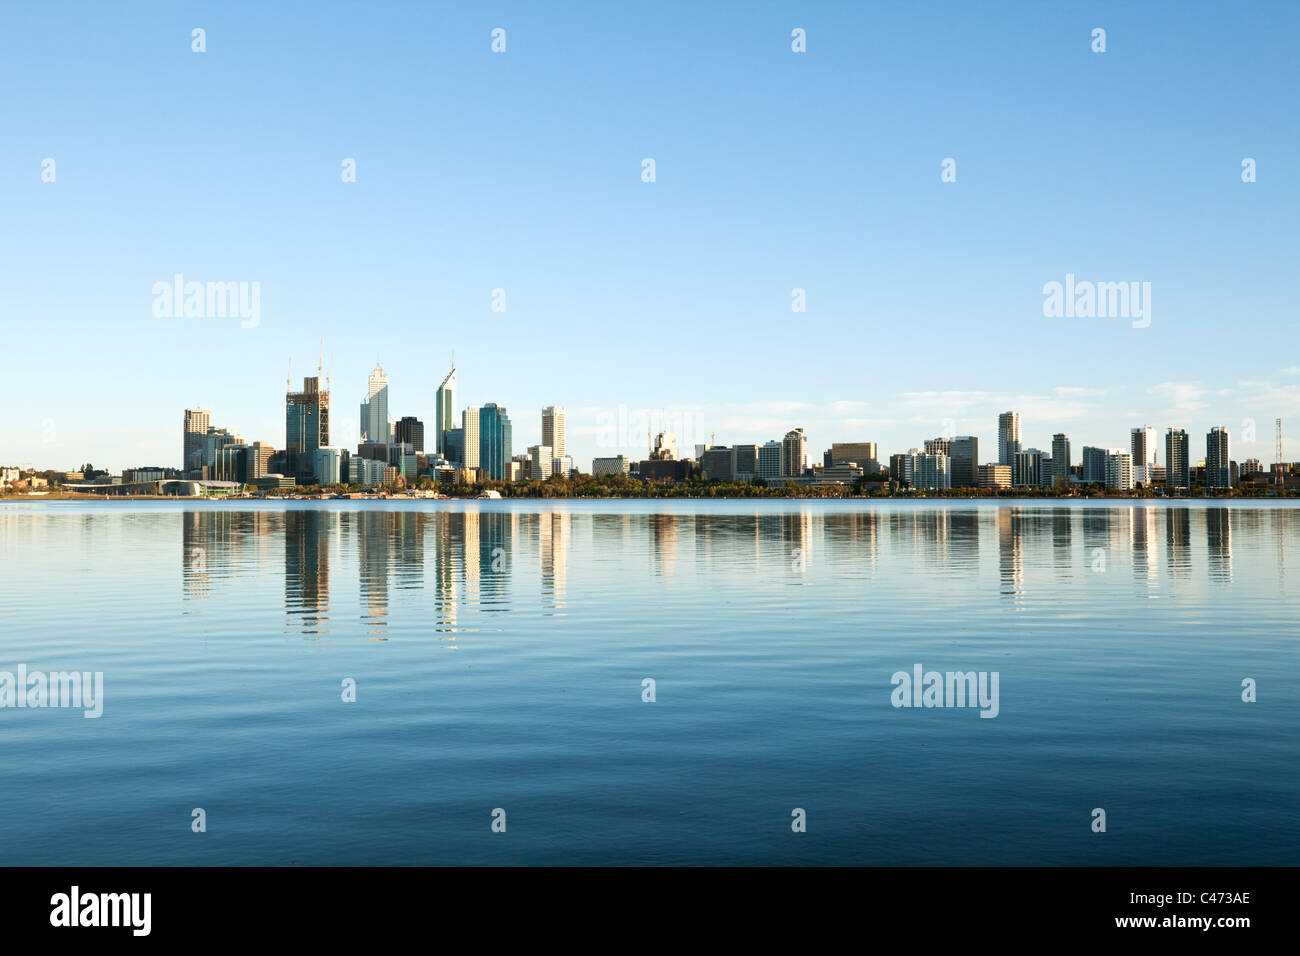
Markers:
<point>197,421</point>
<point>494,441</point>
<point>1177,465</point>
<point>1217,471</point>
<point>410,430</point>
<point>964,458</point>
<point>1094,464</point>
<point>444,415</point>
<point>794,453</point>
<point>1008,437</point>
<point>1060,460</point>
<point>553,430</point>
<point>307,420</point>
<point>469,425</point>
<point>1142,446</point>
<point>374,410</point>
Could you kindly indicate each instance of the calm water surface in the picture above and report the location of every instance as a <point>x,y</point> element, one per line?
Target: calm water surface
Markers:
<point>499,650</point>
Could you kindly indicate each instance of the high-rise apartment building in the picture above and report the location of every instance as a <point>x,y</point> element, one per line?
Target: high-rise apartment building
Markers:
<point>1119,469</point>
<point>1218,473</point>
<point>769,461</point>
<point>1177,464</point>
<point>197,422</point>
<point>444,414</point>
<point>1094,464</point>
<point>1142,446</point>
<point>553,430</point>
<point>794,453</point>
<point>1008,438</point>
<point>1060,460</point>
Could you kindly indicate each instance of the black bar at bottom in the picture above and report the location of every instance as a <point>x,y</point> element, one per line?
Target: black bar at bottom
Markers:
<point>333,905</point>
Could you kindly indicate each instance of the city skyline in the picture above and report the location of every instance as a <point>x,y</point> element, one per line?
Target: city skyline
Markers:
<point>673,293</point>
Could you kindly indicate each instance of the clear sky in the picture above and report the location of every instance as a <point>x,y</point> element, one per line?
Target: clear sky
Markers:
<point>775,170</point>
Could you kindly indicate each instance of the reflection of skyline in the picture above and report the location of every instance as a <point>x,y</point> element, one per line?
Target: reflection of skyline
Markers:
<point>477,552</point>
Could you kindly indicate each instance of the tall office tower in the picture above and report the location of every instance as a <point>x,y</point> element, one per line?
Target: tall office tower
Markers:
<point>938,446</point>
<point>494,441</point>
<point>469,423</point>
<point>197,422</point>
<point>746,461</point>
<point>1119,469</point>
<point>1142,446</point>
<point>769,460</point>
<point>1094,464</point>
<point>1061,460</point>
<point>553,430</point>
<point>1008,437</point>
<point>374,410</point>
<point>410,431</point>
<point>1177,466</point>
<point>1218,473</point>
<point>794,453</point>
<point>307,419</point>
<point>964,460</point>
<point>444,415</point>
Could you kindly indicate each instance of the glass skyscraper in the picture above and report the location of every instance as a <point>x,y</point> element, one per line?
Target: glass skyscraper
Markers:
<point>494,441</point>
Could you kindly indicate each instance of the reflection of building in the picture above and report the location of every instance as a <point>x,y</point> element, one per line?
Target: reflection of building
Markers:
<point>1011,559</point>
<point>307,567</point>
<point>1218,539</point>
<point>553,541</point>
<point>1178,540</point>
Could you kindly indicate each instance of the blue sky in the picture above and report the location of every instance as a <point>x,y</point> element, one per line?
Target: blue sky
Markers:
<point>774,171</point>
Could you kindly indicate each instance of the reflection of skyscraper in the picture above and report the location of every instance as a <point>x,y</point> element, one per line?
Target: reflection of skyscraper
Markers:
<point>553,539</point>
<point>1178,540</point>
<point>307,567</point>
<point>374,553</point>
<point>1146,547</point>
<point>1062,532</point>
<point>1011,559</point>
<point>1218,539</point>
<point>663,542</point>
<point>444,421</point>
